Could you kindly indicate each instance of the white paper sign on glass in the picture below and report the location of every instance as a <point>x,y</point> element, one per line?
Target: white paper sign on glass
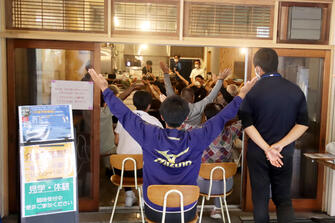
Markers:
<point>79,94</point>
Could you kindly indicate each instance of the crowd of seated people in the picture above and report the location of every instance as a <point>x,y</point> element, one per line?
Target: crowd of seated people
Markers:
<point>195,129</point>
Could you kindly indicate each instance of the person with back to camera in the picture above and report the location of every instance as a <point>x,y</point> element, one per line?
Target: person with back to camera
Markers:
<point>196,109</point>
<point>274,115</point>
<point>220,150</point>
<point>126,144</point>
<point>170,156</point>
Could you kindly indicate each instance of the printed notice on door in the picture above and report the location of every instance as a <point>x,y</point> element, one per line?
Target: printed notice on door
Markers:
<point>79,94</point>
<point>48,179</point>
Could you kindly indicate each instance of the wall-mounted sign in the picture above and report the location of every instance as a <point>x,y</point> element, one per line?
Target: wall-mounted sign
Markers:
<point>48,182</point>
<point>79,94</point>
<point>45,123</point>
<point>48,169</point>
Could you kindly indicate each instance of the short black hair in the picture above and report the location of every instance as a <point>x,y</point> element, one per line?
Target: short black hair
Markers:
<point>267,59</point>
<point>199,76</point>
<point>187,94</point>
<point>212,109</point>
<point>178,56</point>
<point>141,100</point>
<point>180,85</point>
<point>197,60</point>
<point>149,62</point>
<point>174,110</point>
<point>88,66</point>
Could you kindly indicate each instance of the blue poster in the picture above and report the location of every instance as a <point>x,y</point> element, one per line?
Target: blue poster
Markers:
<point>45,123</point>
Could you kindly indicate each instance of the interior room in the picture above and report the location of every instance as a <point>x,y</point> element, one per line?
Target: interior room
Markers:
<point>124,63</point>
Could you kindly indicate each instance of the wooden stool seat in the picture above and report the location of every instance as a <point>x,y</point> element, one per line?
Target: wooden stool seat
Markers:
<point>217,195</point>
<point>127,181</point>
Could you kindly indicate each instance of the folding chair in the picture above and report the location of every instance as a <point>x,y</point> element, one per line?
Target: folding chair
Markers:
<point>217,171</point>
<point>127,162</point>
<point>173,196</point>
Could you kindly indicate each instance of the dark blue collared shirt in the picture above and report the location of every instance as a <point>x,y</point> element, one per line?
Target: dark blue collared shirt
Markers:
<point>274,105</point>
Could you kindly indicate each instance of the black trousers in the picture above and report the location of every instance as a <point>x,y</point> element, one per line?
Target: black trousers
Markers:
<point>169,217</point>
<point>262,175</point>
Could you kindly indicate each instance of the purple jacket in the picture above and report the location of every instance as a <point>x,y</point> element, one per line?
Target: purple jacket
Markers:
<point>170,156</point>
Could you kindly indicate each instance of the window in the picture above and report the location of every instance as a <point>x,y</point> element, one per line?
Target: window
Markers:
<point>229,20</point>
<point>303,23</point>
<point>57,15</point>
<point>145,16</point>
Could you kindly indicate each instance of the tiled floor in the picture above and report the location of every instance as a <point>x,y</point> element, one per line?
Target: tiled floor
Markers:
<point>131,215</point>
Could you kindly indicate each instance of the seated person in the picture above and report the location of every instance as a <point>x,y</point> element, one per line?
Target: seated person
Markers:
<point>196,109</point>
<point>220,150</point>
<point>232,89</point>
<point>147,68</point>
<point>107,146</point>
<point>170,156</point>
<point>198,88</point>
<point>126,144</point>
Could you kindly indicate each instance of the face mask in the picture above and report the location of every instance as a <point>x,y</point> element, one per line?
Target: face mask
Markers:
<point>197,84</point>
<point>257,74</point>
<point>176,60</point>
<point>196,65</point>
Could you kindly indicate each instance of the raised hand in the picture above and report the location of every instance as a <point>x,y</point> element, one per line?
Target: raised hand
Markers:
<point>222,75</point>
<point>247,87</point>
<point>164,68</point>
<point>98,79</point>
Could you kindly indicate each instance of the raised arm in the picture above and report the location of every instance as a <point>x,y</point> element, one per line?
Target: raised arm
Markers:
<point>167,81</point>
<point>182,78</point>
<point>215,125</point>
<point>129,90</point>
<point>134,125</point>
<point>200,105</point>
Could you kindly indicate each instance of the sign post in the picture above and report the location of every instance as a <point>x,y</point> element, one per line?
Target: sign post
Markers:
<point>47,164</point>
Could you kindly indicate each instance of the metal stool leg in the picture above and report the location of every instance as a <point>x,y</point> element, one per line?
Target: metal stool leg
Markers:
<point>202,208</point>
<point>222,211</point>
<point>225,204</point>
<point>117,196</point>
<point>140,202</point>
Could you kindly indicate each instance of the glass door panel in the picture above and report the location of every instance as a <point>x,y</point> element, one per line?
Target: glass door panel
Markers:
<point>310,70</point>
<point>307,73</point>
<point>33,69</point>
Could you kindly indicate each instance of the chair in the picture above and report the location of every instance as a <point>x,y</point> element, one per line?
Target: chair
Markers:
<point>217,171</point>
<point>167,196</point>
<point>127,162</point>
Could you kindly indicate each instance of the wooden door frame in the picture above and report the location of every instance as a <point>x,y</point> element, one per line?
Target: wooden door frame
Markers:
<point>298,204</point>
<point>91,203</point>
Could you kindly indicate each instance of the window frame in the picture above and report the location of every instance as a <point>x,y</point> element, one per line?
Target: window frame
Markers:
<point>282,27</point>
<point>146,33</point>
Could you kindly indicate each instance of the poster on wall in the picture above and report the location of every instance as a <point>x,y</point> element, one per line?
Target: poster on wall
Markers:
<point>48,169</point>
<point>79,94</point>
<point>48,179</point>
<point>45,123</point>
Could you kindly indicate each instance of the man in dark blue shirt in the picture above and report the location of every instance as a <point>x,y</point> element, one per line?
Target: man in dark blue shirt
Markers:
<point>274,115</point>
